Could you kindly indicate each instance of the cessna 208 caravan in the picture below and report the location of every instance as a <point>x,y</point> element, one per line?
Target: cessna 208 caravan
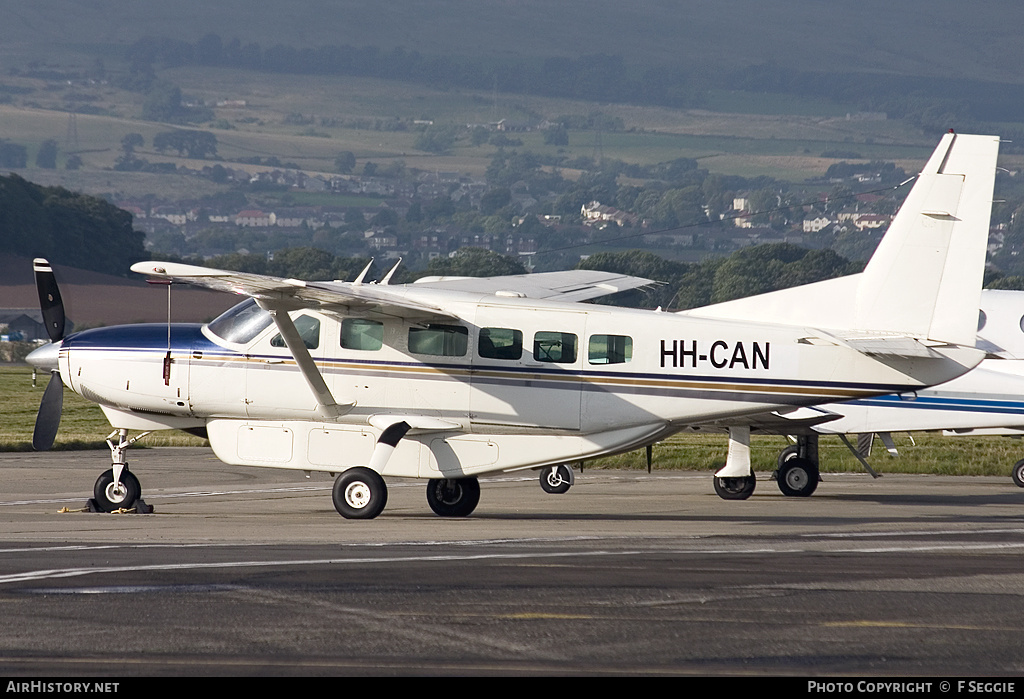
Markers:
<point>450,379</point>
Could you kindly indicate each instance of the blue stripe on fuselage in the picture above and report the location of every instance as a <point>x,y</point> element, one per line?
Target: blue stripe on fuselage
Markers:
<point>142,337</point>
<point>974,405</point>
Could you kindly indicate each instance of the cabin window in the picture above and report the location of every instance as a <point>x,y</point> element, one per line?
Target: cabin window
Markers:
<point>556,347</point>
<point>610,349</point>
<point>241,323</point>
<point>309,331</point>
<point>982,319</point>
<point>362,334</point>
<point>500,343</point>
<point>439,340</point>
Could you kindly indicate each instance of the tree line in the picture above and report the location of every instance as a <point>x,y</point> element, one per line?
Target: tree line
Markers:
<point>753,270</point>
<point>934,104</point>
<point>596,77</point>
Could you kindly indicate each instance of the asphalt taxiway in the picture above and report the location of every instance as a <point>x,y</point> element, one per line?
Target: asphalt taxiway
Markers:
<point>249,571</point>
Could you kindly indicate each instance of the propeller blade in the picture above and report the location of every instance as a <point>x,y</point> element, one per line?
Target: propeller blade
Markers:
<point>48,418</point>
<point>50,301</point>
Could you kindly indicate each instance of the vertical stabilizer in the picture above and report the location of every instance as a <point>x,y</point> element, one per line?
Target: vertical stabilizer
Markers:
<point>925,278</point>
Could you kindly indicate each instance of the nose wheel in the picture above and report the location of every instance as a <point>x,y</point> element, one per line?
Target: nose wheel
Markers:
<point>114,495</point>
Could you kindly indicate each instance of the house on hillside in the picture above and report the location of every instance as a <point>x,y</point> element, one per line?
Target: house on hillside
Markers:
<point>255,218</point>
<point>595,212</point>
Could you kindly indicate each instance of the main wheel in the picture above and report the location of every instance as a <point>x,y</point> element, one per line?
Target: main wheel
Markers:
<point>735,488</point>
<point>1018,473</point>
<point>112,496</point>
<point>555,479</point>
<point>453,497</point>
<point>360,493</point>
<point>790,452</point>
<point>797,477</point>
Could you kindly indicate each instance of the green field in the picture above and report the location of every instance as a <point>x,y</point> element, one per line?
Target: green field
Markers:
<point>84,427</point>
<point>82,424</point>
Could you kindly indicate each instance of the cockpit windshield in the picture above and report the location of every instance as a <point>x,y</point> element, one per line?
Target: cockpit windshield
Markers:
<point>241,323</point>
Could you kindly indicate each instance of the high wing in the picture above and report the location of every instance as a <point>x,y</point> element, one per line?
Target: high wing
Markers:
<point>348,297</point>
<point>569,285</point>
<point>399,300</point>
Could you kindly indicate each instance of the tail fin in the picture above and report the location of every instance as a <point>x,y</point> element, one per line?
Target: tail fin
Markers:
<point>924,280</point>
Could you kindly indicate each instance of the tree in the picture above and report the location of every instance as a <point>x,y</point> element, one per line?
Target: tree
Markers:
<point>385,217</point>
<point>558,136</point>
<point>436,139</point>
<point>345,162</point>
<point>494,199</point>
<point>475,262</point>
<point>46,157</point>
<point>194,144</point>
<point>130,142</point>
<point>13,155</point>
<point>162,103</point>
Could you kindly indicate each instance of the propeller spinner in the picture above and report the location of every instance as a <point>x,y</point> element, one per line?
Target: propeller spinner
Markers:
<point>52,306</point>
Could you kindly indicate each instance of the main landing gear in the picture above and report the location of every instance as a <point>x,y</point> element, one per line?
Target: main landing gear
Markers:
<point>735,488</point>
<point>360,493</point>
<point>1018,473</point>
<point>797,474</point>
<point>453,497</point>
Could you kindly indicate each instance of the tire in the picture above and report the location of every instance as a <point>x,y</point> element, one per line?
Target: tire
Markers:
<point>797,478</point>
<point>453,497</point>
<point>110,496</point>
<point>735,488</point>
<point>1018,473</point>
<point>360,493</point>
<point>555,479</point>
<point>790,452</point>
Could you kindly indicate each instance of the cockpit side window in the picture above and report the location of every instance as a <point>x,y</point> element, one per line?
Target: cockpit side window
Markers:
<point>309,331</point>
<point>240,324</point>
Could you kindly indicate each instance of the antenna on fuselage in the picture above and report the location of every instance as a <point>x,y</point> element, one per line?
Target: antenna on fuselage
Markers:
<point>387,277</point>
<point>362,275</point>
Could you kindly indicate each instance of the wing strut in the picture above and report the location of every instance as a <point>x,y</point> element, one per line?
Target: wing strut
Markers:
<point>856,454</point>
<point>329,408</point>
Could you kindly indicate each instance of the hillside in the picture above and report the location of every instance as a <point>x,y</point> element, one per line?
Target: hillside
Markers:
<point>934,38</point>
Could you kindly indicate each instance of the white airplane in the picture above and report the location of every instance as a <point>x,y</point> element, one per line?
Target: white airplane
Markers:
<point>450,379</point>
<point>985,401</point>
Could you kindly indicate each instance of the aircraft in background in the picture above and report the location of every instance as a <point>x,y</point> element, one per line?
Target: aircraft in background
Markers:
<point>985,401</point>
<point>448,379</point>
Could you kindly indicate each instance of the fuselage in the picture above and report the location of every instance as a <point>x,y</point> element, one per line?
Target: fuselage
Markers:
<point>503,372</point>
